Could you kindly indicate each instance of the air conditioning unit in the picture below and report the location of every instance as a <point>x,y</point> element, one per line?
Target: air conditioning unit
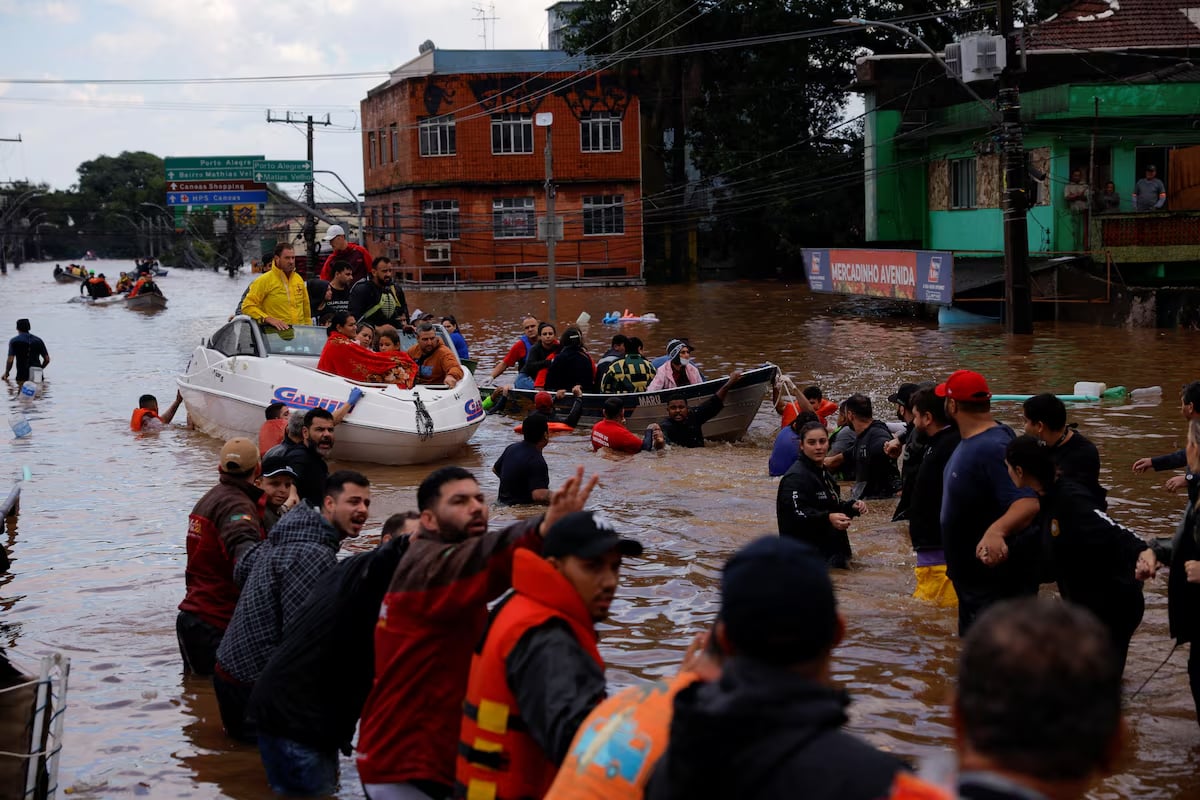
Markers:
<point>437,254</point>
<point>977,57</point>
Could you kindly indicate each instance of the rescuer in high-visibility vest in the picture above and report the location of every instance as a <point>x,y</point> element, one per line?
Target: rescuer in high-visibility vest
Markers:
<point>538,673</point>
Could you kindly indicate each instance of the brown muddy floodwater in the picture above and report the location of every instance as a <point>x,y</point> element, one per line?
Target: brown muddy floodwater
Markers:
<point>98,551</point>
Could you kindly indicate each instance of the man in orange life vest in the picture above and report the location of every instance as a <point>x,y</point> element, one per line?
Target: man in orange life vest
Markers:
<point>146,417</point>
<point>539,672</point>
<point>615,751</point>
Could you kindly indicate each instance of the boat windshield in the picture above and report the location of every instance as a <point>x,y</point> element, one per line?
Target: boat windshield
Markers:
<point>298,340</point>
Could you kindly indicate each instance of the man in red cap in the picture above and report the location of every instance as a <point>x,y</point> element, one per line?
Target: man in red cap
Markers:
<point>981,508</point>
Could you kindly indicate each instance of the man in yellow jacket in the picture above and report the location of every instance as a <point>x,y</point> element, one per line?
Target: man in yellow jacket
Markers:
<point>278,297</point>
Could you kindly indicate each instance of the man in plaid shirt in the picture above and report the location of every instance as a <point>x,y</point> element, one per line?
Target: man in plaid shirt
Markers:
<point>277,577</point>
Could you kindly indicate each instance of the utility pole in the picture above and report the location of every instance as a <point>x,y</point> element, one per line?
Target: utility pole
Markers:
<point>1018,298</point>
<point>310,223</point>
<point>546,120</point>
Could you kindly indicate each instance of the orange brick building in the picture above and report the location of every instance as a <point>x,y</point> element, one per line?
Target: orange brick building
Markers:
<point>454,168</point>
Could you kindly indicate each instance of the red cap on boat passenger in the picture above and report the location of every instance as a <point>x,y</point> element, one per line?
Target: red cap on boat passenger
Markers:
<point>543,401</point>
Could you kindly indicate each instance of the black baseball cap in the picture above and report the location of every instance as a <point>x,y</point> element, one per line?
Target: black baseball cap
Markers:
<point>777,601</point>
<point>274,465</point>
<point>903,394</point>
<point>586,534</point>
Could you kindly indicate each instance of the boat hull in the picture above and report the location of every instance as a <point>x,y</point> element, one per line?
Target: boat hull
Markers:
<point>641,408</point>
<point>226,397</point>
<point>146,302</point>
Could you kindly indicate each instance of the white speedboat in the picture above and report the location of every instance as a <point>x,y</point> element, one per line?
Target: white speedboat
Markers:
<point>241,369</point>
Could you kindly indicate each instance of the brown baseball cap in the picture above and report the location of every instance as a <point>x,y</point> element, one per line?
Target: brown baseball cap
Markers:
<point>238,455</point>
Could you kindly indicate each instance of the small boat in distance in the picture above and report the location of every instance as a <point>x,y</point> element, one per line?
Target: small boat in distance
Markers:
<point>146,302</point>
<point>72,274</point>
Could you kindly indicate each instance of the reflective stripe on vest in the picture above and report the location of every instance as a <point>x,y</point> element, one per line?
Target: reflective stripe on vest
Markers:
<point>498,759</point>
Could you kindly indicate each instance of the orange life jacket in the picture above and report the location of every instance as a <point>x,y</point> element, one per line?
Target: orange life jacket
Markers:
<point>909,787</point>
<point>497,758</point>
<point>618,745</point>
<point>139,418</point>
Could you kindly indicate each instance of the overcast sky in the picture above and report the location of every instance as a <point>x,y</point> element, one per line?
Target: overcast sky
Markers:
<point>64,125</point>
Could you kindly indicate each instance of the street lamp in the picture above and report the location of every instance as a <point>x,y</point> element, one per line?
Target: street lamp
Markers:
<point>859,22</point>
<point>545,119</point>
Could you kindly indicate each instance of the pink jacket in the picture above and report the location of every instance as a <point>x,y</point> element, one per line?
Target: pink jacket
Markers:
<point>664,378</point>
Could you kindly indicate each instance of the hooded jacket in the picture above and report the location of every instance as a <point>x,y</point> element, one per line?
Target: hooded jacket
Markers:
<point>278,576</point>
<point>764,732</point>
<point>570,368</point>
<point>875,473</point>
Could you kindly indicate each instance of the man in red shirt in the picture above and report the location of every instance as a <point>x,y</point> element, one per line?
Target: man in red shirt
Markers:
<point>432,616</point>
<point>358,256</point>
<point>611,431</point>
<point>520,349</point>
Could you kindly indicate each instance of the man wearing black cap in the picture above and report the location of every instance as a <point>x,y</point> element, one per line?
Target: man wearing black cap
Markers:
<point>772,725</point>
<point>572,367</point>
<point>521,468</point>
<point>223,526</point>
<point>539,672</point>
<point>278,484</point>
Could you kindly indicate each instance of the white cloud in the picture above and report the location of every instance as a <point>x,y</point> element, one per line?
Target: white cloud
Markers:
<point>117,39</point>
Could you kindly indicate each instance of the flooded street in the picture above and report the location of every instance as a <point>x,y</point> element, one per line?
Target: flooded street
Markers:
<point>98,551</point>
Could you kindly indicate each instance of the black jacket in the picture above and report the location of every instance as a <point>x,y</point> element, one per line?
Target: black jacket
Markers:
<point>807,495</point>
<point>313,689</point>
<point>1093,557</point>
<point>537,358</point>
<point>925,506</point>
<point>875,473</point>
<point>1079,460</point>
<point>761,732</point>
<point>910,464</point>
<point>311,470</point>
<point>368,304</point>
<point>1183,598</point>
<point>570,368</point>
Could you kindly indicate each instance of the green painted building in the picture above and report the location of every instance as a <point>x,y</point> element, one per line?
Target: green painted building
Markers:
<point>1107,91</point>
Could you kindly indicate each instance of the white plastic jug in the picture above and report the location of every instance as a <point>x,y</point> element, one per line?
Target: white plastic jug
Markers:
<point>1090,388</point>
<point>20,425</point>
<point>35,374</point>
<point>29,388</point>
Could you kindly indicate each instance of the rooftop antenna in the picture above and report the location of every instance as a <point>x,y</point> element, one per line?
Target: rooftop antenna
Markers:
<point>484,16</point>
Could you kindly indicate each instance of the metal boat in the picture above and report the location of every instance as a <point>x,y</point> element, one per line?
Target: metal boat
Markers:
<point>641,408</point>
<point>146,302</point>
<point>242,368</point>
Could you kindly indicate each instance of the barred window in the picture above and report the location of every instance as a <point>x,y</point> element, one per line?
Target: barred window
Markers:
<point>439,219</point>
<point>603,214</point>
<point>437,136</point>
<point>962,183</point>
<point>512,133</point>
<point>513,218</point>
<point>600,132</point>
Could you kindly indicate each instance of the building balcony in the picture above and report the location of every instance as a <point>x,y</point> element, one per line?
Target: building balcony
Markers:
<point>1148,237</point>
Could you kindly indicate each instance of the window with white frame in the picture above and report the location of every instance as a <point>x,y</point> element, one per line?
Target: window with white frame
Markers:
<point>512,133</point>
<point>603,214</point>
<point>962,183</point>
<point>600,132</point>
<point>437,136</point>
<point>439,219</point>
<point>513,218</point>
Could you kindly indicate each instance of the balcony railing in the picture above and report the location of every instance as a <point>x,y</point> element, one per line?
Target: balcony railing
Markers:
<point>1151,236</point>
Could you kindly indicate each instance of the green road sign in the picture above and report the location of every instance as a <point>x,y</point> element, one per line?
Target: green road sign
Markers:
<point>283,171</point>
<point>210,168</point>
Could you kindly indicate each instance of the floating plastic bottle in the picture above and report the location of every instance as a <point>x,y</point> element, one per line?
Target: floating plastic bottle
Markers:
<point>1147,394</point>
<point>20,425</point>
<point>29,389</point>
